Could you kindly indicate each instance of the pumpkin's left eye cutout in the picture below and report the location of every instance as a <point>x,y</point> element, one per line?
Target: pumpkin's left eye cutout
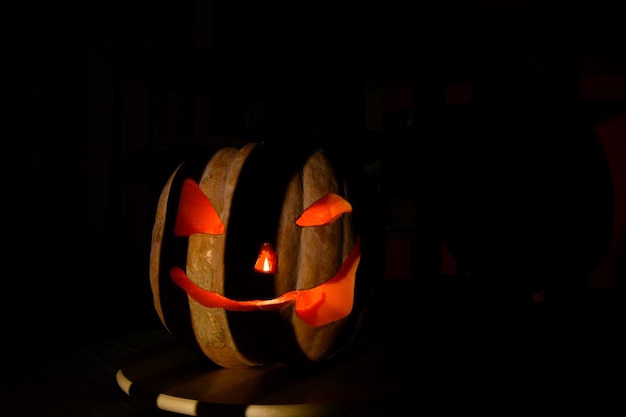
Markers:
<point>324,211</point>
<point>195,213</point>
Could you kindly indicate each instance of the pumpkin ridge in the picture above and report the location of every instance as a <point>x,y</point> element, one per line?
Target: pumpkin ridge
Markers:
<point>218,181</point>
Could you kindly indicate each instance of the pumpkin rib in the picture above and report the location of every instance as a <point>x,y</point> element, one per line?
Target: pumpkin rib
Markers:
<point>218,181</point>
<point>322,243</point>
<point>156,245</point>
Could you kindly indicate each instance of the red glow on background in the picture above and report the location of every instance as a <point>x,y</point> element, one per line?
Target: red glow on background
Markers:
<point>613,138</point>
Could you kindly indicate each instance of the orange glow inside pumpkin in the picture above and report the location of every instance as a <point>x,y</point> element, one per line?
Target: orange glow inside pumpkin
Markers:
<point>196,214</point>
<point>267,261</point>
<point>324,211</point>
<point>328,302</point>
<point>317,306</point>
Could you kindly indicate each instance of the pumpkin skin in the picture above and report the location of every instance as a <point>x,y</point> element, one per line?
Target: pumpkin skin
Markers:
<point>205,289</point>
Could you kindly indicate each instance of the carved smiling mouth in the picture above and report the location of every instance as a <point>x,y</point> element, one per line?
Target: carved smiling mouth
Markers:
<point>317,306</point>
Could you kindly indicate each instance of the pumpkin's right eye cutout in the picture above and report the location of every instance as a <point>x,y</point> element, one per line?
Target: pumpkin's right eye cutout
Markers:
<point>324,211</point>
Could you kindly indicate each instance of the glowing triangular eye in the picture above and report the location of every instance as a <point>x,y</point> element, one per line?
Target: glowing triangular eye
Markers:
<point>324,211</point>
<point>196,213</point>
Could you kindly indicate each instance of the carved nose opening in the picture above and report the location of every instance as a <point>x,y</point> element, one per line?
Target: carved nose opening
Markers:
<point>267,261</point>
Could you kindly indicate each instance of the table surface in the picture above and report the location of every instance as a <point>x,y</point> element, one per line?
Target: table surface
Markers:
<point>177,380</point>
<point>419,362</point>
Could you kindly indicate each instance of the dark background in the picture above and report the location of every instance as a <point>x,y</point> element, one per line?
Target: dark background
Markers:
<point>495,134</point>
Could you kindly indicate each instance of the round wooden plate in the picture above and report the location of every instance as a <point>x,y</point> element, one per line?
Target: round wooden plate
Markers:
<point>176,380</point>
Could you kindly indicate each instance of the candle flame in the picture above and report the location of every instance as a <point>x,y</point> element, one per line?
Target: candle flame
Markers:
<point>267,261</point>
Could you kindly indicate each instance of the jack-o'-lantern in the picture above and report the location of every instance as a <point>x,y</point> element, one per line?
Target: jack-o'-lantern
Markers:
<point>266,253</point>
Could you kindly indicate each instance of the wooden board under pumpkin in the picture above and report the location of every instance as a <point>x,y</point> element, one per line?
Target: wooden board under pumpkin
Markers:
<point>174,379</point>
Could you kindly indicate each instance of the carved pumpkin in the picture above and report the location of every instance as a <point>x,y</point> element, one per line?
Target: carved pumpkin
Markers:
<point>265,253</point>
